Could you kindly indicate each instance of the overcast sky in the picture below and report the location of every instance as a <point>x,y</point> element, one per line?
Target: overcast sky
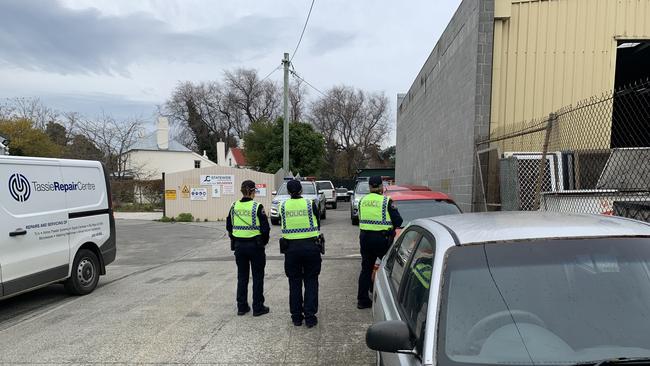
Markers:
<point>124,57</point>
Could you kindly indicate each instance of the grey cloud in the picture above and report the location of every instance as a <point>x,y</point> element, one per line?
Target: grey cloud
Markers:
<point>45,36</point>
<point>323,41</point>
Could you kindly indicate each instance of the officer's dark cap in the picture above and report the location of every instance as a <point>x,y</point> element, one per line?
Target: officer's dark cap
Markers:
<point>247,185</point>
<point>375,181</point>
<point>294,186</point>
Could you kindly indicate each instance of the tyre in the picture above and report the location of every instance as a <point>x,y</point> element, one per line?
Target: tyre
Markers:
<point>355,221</point>
<point>84,275</point>
<point>323,215</point>
<point>275,221</point>
<point>335,205</point>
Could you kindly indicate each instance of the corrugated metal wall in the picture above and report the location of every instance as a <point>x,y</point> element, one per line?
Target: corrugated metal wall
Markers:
<point>213,208</point>
<point>552,53</point>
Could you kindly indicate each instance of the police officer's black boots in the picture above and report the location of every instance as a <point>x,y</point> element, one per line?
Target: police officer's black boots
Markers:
<point>262,311</point>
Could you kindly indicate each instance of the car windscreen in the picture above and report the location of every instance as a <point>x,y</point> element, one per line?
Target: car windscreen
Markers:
<point>307,188</point>
<point>362,188</point>
<point>342,190</point>
<point>325,185</point>
<point>553,302</point>
<point>417,209</point>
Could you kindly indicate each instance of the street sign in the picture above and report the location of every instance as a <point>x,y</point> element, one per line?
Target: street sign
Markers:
<point>185,192</point>
<point>170,194</point>
<point>199,194</point>
<point>260,190</point>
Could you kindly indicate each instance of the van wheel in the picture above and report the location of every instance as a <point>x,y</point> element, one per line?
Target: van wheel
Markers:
<point>323,215</point>
<point>84,275</point>
<point>335,205</point>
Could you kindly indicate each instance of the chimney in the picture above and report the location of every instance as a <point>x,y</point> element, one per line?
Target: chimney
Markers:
<point>221,153</point>
<point>162,133</point>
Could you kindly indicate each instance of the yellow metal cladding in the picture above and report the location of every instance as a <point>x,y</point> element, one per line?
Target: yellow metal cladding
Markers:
<point>549,54</point>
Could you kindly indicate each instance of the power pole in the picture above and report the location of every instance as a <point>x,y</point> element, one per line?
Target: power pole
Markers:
<point>285,140</point>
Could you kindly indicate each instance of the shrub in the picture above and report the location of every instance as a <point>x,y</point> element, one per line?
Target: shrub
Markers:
<point>185,217</point>
<point>167,219</point>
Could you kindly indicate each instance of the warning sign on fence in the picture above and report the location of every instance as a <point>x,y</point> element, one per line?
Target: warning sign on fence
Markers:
<point>170,194</point>
<point>185,192</point>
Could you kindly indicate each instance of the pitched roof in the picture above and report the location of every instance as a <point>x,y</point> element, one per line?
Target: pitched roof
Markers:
<point>150,143</point>
<point>238,154</point>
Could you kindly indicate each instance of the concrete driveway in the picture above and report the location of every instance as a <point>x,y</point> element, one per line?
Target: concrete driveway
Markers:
<point>169,299</point>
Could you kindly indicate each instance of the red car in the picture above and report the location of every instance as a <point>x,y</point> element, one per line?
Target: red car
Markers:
<point>418,204</point>
<point>406,187</point>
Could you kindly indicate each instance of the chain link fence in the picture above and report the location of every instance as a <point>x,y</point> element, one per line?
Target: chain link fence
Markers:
<point>593,157</point>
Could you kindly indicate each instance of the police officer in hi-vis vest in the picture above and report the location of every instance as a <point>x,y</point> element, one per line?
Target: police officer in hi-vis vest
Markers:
<point>302,245</point>
<point>378,219</point>
<point>248,228</point>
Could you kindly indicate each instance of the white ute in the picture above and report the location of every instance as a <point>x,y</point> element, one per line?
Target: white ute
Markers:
<point>56,224</point>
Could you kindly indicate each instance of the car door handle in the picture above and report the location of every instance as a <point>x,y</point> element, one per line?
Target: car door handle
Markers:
<point>17,232</point>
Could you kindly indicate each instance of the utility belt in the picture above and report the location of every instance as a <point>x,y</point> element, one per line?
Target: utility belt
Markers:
<point>257,240</point>
<point>319,241</point>
<point>389,235</point>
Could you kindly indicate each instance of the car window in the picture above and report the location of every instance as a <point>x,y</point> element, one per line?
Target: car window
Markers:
<point>400,256</point>
<point>325,185</point>
<point>308,188</point>
<point>414,297</point>
<point>362,188</point>
<point>417,209</point>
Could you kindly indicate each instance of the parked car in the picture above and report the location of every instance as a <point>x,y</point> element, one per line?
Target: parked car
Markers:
<point>406,187</point>
<point>309,191</point>
<point>56,224</point>
<point>360,190</point>
<point>342,194</point>
<point>514,288</point>
<point>414,205</point>
<point>328,190</point>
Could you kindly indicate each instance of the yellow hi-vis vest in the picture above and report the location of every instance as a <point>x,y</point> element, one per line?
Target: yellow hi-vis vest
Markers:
<point>298,221</point>
<point>244,219</point>
<point>373,213</point>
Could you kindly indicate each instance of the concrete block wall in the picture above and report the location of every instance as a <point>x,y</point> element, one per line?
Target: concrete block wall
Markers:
<point>448,106</point>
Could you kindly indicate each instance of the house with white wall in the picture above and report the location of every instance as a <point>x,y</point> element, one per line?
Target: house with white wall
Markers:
<point>157,153</point>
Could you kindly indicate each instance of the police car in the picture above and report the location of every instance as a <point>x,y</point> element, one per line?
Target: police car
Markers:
<point>309,191</point>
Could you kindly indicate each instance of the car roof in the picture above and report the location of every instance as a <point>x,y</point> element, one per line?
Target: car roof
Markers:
<point>472,228</point>
<point>395,188</point>
<point>413,187</point>
<point>417,195</point>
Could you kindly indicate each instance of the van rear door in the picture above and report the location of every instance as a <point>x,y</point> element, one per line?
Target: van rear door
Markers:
<point>34,247</point>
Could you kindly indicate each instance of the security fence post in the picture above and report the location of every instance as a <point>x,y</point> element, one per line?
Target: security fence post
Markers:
<point>552,118</point>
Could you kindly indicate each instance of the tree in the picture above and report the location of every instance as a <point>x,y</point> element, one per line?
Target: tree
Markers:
<point>57,133</point>
<point>30,109</point>
<point>80,147</point>
<point>259,100</point>
<point>114,139</point>
<point>352,122</point>
<point>25,140</point>
<point>264,147</point>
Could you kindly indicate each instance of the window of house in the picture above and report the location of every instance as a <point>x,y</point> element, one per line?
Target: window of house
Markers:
<point>197,164</point>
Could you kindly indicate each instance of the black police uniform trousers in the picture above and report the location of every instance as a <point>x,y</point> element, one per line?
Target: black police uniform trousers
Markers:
<point>302,264</point>
<point>374,244</point>
<point>250,257</point>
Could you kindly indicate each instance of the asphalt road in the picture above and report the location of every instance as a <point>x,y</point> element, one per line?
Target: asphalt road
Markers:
<point>169,298</point>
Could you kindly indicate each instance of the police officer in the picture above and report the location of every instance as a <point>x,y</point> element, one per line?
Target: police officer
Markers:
<point>378,219</point>
<point>302,255</point>
<point>248,228</point>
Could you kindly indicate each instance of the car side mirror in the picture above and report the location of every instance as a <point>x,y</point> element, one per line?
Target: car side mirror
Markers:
<point>274,193</point>
<point>392,336</point>
<point>319,192</point>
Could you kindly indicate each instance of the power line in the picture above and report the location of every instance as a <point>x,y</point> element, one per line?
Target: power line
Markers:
<point>270,73</point>
<point>293,72</point>
<point>303,31</point>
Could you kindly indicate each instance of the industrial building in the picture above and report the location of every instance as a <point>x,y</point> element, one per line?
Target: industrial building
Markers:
<point>503,63</point>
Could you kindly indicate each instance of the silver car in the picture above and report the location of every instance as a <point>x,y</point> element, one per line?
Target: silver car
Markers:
<point>309,191</point>
<point>514,288</point>
<point>361,190</point>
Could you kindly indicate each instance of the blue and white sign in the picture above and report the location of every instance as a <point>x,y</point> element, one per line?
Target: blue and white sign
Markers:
<point>199,194</point>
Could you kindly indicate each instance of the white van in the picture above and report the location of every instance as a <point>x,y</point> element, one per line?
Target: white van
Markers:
<point>56,224</point>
